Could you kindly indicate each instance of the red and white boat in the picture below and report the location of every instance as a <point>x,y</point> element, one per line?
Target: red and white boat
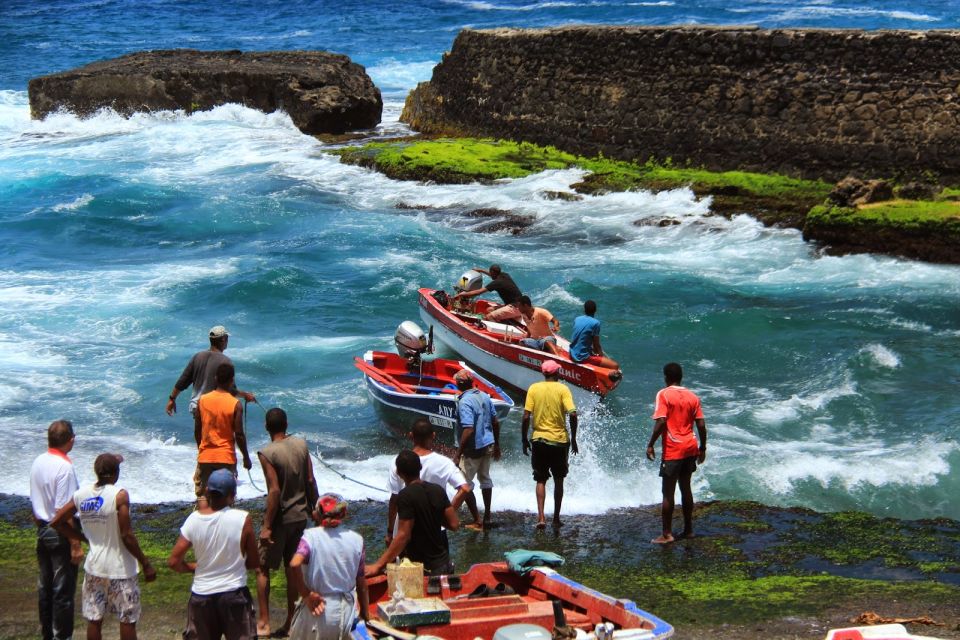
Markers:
<point>494,347</point>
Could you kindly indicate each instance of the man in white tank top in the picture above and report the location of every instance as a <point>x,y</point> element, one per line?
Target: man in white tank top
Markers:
<point>110,582</point>
<point>226,548</point>
<point>328,573</point>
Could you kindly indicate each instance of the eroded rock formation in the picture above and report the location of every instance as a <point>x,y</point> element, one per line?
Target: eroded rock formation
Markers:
<point>322,92</point>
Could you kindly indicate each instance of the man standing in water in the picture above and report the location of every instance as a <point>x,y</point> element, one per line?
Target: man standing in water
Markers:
<point>52,484</point>
<point>677,410</point>
<point>548,402</point>
<point>478,441</point>
<point>201,372</point>
<point>504,285</point>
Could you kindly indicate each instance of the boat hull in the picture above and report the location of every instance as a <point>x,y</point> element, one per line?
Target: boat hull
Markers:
<point>398,409</point>
<point>527,599</point>
<point>507,360</point>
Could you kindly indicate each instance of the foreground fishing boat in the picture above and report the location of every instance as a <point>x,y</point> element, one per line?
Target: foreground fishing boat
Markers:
<point>402,391</point>
<point>491,601</point>
<point>494,347</point>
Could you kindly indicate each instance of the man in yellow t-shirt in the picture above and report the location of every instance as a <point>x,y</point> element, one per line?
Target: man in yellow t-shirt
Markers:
<point>549,402</point>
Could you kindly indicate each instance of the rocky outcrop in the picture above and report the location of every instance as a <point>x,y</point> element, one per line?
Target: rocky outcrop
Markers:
<point>811,103</point>
<point>322,92</point>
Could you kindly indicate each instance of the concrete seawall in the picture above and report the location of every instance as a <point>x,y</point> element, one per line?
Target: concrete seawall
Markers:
<point>811,103</point>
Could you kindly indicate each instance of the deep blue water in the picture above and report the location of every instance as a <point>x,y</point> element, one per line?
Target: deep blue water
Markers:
<point>828,382</point>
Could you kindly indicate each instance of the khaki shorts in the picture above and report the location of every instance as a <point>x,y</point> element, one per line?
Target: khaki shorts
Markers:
<point>285,538</point>
<point>119,596</point>
<point>202,474</point>
<point>506,312</point>
<point>478,468</point>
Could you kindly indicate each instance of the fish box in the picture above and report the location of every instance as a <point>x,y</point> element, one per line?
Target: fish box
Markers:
<point>414,612</point>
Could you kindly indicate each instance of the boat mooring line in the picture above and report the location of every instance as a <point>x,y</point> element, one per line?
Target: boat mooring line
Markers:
<point>345,476</point>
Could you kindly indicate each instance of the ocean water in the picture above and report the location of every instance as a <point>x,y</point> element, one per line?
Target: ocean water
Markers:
<point>827,382</point>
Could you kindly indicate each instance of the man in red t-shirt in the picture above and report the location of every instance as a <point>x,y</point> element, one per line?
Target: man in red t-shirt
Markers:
<point>677,410</point>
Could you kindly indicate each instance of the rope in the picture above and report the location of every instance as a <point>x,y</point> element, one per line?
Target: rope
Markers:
<point>320,459</point>
<point>249,474</point>
<point>317,455</point>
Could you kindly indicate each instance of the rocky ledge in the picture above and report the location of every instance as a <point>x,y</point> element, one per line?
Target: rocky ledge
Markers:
<point>322,92</point>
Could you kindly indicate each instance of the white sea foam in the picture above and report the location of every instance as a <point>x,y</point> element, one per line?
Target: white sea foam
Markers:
<point>882,356</point>
<point>78,203</point>
<point>826,12</point>
<point>391,74</point>
<point>774,410</point>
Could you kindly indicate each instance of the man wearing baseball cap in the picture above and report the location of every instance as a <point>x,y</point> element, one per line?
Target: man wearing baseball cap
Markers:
<point>225,548</point>
<point>201,372</point>
<point>110,580</point>
<point>478,441</point>
<point>548,402</point>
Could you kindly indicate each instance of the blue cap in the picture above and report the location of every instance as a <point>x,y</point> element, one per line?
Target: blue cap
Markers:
<point>222,481</point>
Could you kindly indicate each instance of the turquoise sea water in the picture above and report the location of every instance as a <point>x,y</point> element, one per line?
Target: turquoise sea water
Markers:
<point>828,382</point>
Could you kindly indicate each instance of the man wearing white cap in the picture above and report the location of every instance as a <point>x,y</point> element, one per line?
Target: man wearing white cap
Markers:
<point>548,402</point>
<point>201,372</point>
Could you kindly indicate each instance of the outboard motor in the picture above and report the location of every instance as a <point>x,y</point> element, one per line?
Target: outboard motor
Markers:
<point>469,281</point>
<point>411,341</point>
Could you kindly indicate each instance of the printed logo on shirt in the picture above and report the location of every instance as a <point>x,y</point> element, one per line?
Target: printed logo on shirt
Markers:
<point>91,506</point>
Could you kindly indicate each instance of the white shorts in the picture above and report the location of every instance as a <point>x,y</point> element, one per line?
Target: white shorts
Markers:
<point>119,596</point>
<point>478,468</point>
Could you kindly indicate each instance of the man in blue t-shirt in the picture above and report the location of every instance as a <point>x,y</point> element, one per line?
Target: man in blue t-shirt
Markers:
<point>478,441</point>
<point>585,341</point>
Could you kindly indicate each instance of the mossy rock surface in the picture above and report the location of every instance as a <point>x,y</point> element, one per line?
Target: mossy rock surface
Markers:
<point>774,199</point>
<point>925,230</point>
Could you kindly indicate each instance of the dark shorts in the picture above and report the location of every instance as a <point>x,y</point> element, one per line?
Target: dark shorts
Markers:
<point>677,468</point>
<point>227,614</point>
<point>549,460</point>
<point>285,537</point>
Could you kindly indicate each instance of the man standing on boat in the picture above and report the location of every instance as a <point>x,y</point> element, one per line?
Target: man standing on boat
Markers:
<point>201,372</point>
<point>677,410</point>
<point>585,341</point>
<point>478,440</point>
<point>542,327</point>
<point>504,285</point>
<point>548,402</point>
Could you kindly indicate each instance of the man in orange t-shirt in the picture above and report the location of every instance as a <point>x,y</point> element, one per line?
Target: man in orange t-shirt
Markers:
<point>541,327</point>
<point>677,410</point>
<point>218,430</point>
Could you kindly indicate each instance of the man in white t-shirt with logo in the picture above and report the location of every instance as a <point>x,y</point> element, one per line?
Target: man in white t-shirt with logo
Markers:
<point>226,548</point>
<point>52,483</point>
<point>110,580</point>
<point>435,468</point>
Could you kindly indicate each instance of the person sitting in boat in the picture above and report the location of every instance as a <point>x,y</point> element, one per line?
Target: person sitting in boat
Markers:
<point>503,284</point>
<point>585,342</point>
<point>541,327</point>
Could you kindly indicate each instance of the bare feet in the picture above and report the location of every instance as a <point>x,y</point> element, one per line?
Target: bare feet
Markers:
<point>263,630</point>
<point>666,538</point>
<point>474,526</point>
<point>556,523</point>
<point>541,524</point>
<point>686,535</point>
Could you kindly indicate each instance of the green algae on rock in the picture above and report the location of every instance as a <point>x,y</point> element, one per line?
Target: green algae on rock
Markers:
<point>925,230</point>
<point>773,199</point>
